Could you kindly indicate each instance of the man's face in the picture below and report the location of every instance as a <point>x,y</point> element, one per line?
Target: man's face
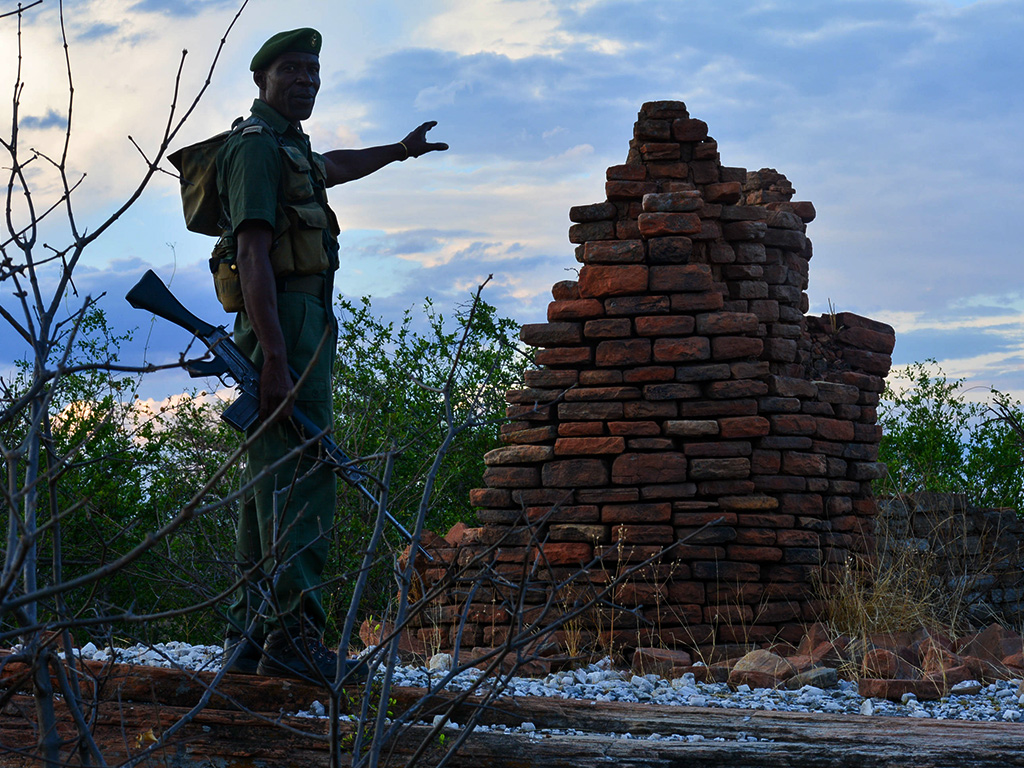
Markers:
<point>290,84</point>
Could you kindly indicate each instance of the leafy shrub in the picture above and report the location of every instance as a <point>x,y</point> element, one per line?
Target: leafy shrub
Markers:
<point>935,439</point>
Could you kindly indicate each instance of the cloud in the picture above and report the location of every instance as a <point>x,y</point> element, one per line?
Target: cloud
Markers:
<point>52,119</point>
<point>434,96</point>
<point>179,8</point>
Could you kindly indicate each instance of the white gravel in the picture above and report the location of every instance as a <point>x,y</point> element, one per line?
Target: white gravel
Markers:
<point>996,702</point>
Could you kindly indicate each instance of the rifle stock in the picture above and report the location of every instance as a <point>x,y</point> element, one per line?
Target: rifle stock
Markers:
<point>152,295</point>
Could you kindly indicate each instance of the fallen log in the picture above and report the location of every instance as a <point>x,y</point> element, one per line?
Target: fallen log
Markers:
<point>251,719</point>
<point>235,739</point>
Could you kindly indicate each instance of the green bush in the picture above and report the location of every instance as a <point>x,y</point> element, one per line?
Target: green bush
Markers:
<point>935,439</point>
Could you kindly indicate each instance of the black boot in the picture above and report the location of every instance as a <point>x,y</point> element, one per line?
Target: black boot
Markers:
<point>303,656</point>
<point>248,657</point>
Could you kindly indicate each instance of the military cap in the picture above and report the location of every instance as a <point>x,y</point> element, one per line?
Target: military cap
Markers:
<point>303,40</point>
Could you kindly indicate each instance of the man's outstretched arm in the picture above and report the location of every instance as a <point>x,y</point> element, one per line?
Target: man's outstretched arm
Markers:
<point>350,164</point>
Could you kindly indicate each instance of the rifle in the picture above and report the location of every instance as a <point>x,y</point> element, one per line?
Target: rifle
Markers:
<point>151,294</point>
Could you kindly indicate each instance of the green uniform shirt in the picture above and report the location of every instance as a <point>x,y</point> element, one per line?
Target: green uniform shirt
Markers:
<point>249,171</point>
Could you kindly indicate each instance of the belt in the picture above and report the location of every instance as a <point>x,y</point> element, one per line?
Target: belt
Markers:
<point>311,284</point>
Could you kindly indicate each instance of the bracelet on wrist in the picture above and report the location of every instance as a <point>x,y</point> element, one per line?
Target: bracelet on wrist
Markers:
<point>406,152</point>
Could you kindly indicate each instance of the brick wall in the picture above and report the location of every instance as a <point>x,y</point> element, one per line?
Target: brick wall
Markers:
<point>681,398</point>
<point>970,558</point>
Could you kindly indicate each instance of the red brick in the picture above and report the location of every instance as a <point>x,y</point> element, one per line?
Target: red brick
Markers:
<point>804,464</point>
<point>581,214</point>
<point>738,388</point>
<point>634,428</point>
<point>573,513</point>
<point>637,305</point>
<point>646,410</point>
<point>643,534</point>
<point>833,429</point>
<point>614,252</point>
<point>567,553</point>
<point>662,224</point>
<point>529,497</point>
<point>602,378</point>
<point>673,202</point>
<point>680,278</point>
<point>628,172</point>
<point>669,250</point>
<point>490,497</point>
<point>802,504</point>
<point>760,537</point>
<point>780,483</point>
<point>697,302</point>
<point>719,469</point>
<point>732,347</point>
<point>668,170</point>
<point>627,352</point>
<point>692,552</point>
<point>607,329</point>
<point>578,446</point>
<point>673,491</point>
<point>720,323</point>
<point>600,281</point>
<point>551,334</point>
<point>794,424</point>
<point>607,495</point>
<point>648,374</point>
<point>575,473</point>
<point>727,192</point>
<point>565,290</point>
<point>511,477</point>
<point>517,454</point>
<point>597,411</point>
<point>685,592</point>
<point>672,391</point>
<point>641,468</point>
<point>624,190</point>
<point>562,356</point>
<point>798,539</point>
<point>591,534</point>
<point>704,409</point>
<point>578,309</point>
<point>725,487</point>
<point>754,554</point>
<point>689,129</point>
<point>595,230</point>
<point>580,428</point>
<point>594,394</point>
<point>650,444</point>
<point>636,513</point>
<point>743,427</point>
<point>664,326</point>
<point>682,350</point>
<point>659,150</point>
<point>691,428</point>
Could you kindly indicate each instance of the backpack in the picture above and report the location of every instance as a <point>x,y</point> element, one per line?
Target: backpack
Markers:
<point>196,165</point>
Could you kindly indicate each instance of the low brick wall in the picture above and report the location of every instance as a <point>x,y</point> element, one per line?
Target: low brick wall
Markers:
<point>679,384</point>
<point>973,556</point>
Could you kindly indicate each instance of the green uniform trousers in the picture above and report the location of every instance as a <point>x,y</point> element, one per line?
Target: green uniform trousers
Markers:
<point>287,515</point>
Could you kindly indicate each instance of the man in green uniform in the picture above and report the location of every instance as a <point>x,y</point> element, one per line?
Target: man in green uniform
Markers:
<point>283,238</point>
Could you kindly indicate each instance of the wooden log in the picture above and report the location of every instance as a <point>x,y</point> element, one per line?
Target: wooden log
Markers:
<point>235,739</point>
<point>261,726</point>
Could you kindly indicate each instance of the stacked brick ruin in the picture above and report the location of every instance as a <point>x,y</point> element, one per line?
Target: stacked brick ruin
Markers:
<point>679,384</point>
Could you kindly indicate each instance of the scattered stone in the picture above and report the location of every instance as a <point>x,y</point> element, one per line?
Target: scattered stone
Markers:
<point>440,662</point>
<point>819,677</point>
<point>760,669</point>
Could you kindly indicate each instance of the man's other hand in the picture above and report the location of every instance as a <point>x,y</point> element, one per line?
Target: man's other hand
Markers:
<point>417,144</point>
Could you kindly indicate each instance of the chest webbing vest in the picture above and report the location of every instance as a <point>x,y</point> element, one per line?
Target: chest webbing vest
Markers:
<point>305,231</point>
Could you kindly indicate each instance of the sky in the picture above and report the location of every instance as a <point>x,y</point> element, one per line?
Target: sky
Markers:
<point>899,119</point>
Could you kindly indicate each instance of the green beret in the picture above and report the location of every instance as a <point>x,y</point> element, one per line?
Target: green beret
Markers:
<point>303,40</point>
